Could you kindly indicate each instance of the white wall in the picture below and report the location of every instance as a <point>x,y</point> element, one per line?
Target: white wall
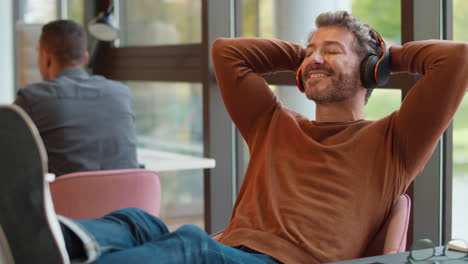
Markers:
<point>6,52</point>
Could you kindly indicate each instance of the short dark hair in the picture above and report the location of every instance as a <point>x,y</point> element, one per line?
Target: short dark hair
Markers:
<point>367,41</point>
<point>65,39</point>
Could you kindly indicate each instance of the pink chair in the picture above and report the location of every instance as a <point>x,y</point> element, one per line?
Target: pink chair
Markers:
<point>391,238</point>
<point>93,194</point>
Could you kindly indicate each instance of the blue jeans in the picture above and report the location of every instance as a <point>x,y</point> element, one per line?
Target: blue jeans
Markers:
<point>131,235</point>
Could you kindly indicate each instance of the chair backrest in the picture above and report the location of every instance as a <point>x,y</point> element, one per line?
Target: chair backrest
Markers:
<point>93,194</point>
<point>391,238</point>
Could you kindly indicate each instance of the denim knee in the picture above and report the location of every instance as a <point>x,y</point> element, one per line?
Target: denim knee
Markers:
<point>192,231</point>
<point>138,219</point>
<point>132,214</point>
<point>129,211</point>
<point>193,234</point>
<point>196,239</point>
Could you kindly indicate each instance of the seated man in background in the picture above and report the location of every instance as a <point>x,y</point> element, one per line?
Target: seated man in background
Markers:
<point>315,191</point>
<point>86,122</point>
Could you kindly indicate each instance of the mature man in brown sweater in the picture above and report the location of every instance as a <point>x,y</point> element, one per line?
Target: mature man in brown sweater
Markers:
<point>309,184</point>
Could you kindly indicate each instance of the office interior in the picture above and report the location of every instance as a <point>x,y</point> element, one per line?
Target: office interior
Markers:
<point>163,55</point>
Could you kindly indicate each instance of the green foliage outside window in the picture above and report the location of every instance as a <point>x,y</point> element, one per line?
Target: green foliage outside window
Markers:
<point>76,11</point>
<point>460,20</point>
<point>180,18</point>
<point>460,128</point>
<point>383,16</point>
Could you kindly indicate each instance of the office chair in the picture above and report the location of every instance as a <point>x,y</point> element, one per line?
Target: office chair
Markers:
<point>92,194</point>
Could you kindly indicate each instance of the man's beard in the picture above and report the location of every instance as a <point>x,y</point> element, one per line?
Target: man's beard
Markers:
<point>342,87</point>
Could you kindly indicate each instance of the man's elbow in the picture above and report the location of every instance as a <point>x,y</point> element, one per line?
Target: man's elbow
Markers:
<point>219,44</point>
<point>460,52</point>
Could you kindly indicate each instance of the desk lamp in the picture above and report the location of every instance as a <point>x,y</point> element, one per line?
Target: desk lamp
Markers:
<point>102,27</point>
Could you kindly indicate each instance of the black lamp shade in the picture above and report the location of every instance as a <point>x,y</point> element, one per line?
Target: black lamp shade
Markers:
<point>102,28</point>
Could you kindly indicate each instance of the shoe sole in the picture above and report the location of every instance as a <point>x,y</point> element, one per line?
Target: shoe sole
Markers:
<point>29,223</point>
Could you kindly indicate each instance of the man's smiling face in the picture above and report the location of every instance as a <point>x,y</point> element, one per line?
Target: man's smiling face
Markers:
<point>330,71</point>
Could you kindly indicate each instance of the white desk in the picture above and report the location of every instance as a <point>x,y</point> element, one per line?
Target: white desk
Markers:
<point>166,161</point>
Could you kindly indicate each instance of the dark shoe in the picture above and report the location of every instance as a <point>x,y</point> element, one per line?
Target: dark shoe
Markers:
<point>27,217</point>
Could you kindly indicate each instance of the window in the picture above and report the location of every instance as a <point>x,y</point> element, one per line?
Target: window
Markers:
<point>169,118</point>
<point>382,103</point>
<point>460,172</point>
<point>75,11</point>
<point>460,138</point>
<point>38,11</point>
<point>159,22</point>
<point>32,14</point>
<point>383,16</point>
<point>157,56</point>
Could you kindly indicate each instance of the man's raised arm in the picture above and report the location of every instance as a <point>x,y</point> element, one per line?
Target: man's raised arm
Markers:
<point>238,63</point>
<point>432,102</point>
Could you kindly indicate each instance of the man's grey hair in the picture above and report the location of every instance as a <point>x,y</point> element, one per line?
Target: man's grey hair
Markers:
<point>367,41</point>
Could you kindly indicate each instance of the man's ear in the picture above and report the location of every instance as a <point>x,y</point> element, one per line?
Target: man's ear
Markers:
<point>47,57</point>
<point>85,58</point>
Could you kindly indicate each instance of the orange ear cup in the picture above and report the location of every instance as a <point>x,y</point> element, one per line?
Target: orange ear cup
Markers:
<point>384,52</point>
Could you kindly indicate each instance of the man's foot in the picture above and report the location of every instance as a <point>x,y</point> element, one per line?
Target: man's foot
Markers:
<point>27,217</point>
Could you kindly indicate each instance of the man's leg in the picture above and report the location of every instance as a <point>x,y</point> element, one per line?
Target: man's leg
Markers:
<point>188,244</point>
<point>131,235</point>
<point>119,230</point>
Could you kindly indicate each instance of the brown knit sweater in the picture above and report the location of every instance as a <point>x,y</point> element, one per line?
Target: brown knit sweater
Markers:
<point>318,192</point>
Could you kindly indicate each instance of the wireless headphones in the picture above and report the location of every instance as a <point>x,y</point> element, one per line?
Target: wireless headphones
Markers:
<point>374,70</point>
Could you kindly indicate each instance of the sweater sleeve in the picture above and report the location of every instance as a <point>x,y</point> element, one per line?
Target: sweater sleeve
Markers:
<point>237,65</point>
<point>432,102</point>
